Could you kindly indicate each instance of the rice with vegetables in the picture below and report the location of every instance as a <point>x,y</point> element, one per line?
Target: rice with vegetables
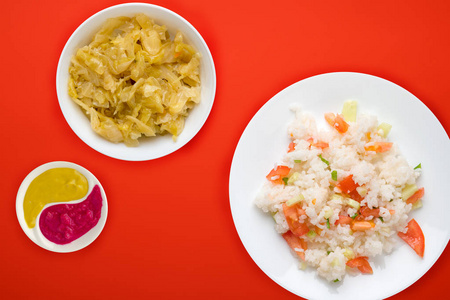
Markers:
<point>342,194</point>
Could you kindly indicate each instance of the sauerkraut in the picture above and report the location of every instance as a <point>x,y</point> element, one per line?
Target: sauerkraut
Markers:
<point>132,80</point>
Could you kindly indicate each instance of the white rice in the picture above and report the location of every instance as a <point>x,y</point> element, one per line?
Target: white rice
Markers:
<point>383,174</point>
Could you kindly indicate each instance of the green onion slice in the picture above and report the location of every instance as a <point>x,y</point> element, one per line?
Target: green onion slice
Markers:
<point>328,223</point>
<point>285,180</point>
<point>324,160</point>
<point>297,161</point>
<point>334,175</point>
<point>419,166</point>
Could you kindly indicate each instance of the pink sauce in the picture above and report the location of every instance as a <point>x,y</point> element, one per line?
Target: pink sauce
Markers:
<point>64,223</point>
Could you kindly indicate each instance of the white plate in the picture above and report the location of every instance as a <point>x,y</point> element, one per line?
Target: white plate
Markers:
<point>35,234</point>
<point>153,147</point>
<point>421,139</point>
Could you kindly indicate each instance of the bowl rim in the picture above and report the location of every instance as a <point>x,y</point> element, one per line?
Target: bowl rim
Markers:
<point>123,153</point>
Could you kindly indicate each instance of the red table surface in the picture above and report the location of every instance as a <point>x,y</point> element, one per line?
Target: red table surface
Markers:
<point>170,233</point>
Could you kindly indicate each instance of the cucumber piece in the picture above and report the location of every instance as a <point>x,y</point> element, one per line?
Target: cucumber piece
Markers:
<point>408,191</point>
<point>294,177</point>
<point>295,200</point>
<point>349,110</point>
<point>386,128</point>
<point>353,203</point>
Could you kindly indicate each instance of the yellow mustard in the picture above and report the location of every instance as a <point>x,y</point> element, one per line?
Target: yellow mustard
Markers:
<point>54,185</point>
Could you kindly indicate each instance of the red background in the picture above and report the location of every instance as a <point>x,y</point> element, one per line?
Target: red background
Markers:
<point>169,232</point>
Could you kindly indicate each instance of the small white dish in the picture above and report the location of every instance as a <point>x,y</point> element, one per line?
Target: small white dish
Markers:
<point>421,139</point>
<point>35,234</point>
<point>153,147</point>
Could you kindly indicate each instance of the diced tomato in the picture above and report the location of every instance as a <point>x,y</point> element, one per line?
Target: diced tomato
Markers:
<point>343,220</point>
<point>340,124</point>
<point>296,243</point>
<point>291,147</point>
<point>414,237</point>
<point>355,195</point>
<point>321,145</point>
<point>337,122</point>
<point>362,263</point>
<point>362,225</point>
<point>378,147</point>
<point>365,212</point>
<point>317,229</point>
<point>347,185</point>
<point>318,144</point>
<point>330,117</point>
<point>359,218</point>
<point>277,174</point>
<point>292,214</point>
<point>416,196</point>
<point>383,147</point>
<point>293,211</point>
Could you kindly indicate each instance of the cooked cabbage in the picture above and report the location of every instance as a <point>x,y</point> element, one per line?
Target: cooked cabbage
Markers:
<point>132,80</point>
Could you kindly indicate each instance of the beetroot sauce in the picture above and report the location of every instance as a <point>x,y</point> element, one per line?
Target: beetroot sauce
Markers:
<point>64,223</point>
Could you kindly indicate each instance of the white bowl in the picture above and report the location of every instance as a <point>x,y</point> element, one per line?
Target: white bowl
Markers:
<point>153,147</point>
<point>35,233</point>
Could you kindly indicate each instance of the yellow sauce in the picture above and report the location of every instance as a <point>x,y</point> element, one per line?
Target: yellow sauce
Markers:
<point>54,185</point>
